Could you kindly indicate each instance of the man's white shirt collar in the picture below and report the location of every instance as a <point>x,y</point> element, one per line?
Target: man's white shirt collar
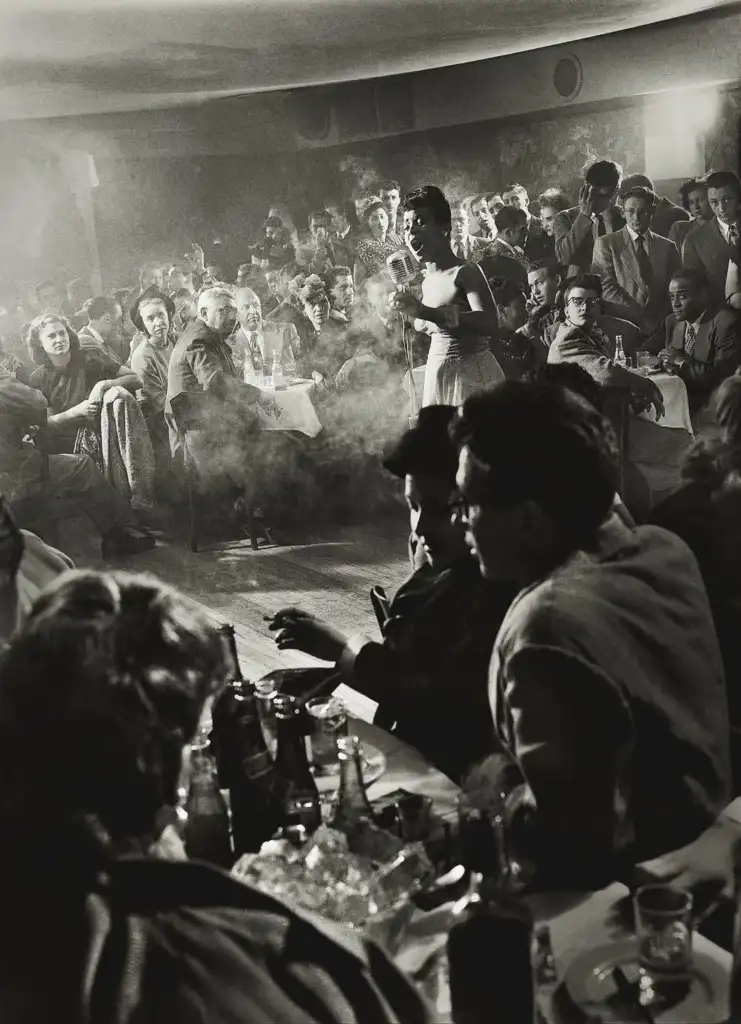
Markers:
<point>725,229</point>
<point>634,237</point>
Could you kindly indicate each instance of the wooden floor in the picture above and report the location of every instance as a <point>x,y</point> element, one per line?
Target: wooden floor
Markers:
<point>330,575</point>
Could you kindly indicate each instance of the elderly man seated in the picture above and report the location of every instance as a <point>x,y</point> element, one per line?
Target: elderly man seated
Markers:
<point>617,721</point>
<point>256,343</point>
<point>429,671</point>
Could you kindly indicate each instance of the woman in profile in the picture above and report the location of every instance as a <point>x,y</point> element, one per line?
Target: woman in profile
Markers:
<point>101,693</point>
<point>457,309</point>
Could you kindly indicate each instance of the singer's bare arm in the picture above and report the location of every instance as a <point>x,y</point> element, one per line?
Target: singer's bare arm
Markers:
<point>482,320</point>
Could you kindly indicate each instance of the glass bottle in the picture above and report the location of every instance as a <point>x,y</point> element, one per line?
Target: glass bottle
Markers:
<point>620,357</point>
<point>265,692</point>
<point>207,829</point>
<point>489,948</point>
<point>297,792</point>
<point>353,805</point>
<point>278,380</point>
<point>243,761</point>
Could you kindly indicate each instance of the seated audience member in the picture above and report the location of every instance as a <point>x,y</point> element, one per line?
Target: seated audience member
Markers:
<point>245,273</point>
<point>322,251</point>
<point>505,260</point>
<point>711,245</point>
<point>344,223</point>
<point>27,566</point>
<point>534,244</point>
<point>635,265</point>
<point>618,725</point>
<point>341,292</point>
<point>705,511</point>
<point>665,213</point>
<point>185,310</point>
<point>104,328</point>
<point>291,310</point>
<point>367,367</point>
<point>551,203</point>
<point>47,298</point>
<point>151,275</point>
<point>328,349</point>
<point>482,215</point>
<point>694,196</point>
<point>545,279</point>
<point>42,488</point>
<point>514,351</point>
<point>93,409</point>
<point>389,193</point>
<point>204,389</point>
<point>274,248</point>
<point>389,328</point>
<point>102,693</point>
<point>153,314</point>
<point>463,244</point>
<point>376,243</point>
<point>79,293</point>
<point>575,230</point>
<point>698,342</point>
<point>429,674</point>
<point>180,276</point>
<point>273,297</point>
<point>213,275</point>
<point>256,342</point>
<point>588,339</point>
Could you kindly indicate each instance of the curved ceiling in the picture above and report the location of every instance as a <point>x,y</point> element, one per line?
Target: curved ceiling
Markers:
<point>61,58</point>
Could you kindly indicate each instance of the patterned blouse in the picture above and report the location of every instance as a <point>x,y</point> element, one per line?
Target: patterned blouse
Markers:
<point>373,253</point>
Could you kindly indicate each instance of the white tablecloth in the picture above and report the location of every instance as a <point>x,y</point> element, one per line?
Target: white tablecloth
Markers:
<point>296,410</point>
<point>676,403</point>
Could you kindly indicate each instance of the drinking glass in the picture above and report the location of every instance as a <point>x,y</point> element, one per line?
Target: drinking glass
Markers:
<point>646,362</point>
<point>663,917</point>
<point>329,721</point>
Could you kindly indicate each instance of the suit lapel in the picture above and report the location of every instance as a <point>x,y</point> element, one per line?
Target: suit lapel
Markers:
<point>703,343</point>
<point>627,256</point>
<point>677,338</point>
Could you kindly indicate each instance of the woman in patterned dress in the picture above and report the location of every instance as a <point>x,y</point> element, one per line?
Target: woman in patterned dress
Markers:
<point>377,244</point>
<point>457,309</point>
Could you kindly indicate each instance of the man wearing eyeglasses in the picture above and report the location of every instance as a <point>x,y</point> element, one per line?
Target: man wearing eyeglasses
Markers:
<point>588,338</point>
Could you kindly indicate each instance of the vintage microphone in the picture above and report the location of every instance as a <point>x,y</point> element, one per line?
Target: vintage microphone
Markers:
<point>403,268</point>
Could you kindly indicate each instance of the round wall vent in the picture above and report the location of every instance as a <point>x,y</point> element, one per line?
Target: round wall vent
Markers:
<point>568,77</point>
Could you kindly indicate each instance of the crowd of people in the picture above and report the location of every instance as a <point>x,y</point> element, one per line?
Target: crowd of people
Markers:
<point>589,639</point>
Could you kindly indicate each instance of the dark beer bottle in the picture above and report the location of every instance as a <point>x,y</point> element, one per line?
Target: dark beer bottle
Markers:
<point>353,805</point>
<point>244,764</point>
<point>207,829</point>
<point>489,946</point>
<point>297,790</point>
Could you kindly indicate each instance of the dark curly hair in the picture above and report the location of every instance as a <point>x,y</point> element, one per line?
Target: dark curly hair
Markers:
<point>100,689</point>
<point>311,289</point>
<point>430,197</point>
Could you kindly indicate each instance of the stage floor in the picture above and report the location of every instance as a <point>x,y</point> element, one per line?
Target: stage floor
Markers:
<point>330,575</point>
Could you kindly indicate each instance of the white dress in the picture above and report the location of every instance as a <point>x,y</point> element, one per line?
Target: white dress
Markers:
<point>457,365</point>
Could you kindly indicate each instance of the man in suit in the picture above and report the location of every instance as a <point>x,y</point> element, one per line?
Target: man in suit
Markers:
<point>322,251</point>
<point>635,265</point>
<point>505,260</point>
<point>256,342</point>
<point>464,244</point>
<point>710,246</point>
<point>699,343</point>
<point>535,243</point>
<point>105,328</point>
<point>481,214</point>
<point>575,230</point>
<point>665,212</point>
<point>341,292</point>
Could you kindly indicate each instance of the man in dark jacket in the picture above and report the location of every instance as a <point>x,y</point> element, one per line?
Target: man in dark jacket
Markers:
<point>665,212</point>
<point>575,230</point>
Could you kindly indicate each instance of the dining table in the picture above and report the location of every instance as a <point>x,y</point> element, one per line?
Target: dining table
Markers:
<point>292,408</point>
<point>577,921</point>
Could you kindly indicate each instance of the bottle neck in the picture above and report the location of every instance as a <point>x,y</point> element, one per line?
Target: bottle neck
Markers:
<point>352,786</point>
<point>291,750</point>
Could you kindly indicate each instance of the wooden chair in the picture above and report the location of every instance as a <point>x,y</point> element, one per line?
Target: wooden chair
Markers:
<point>187,413</point>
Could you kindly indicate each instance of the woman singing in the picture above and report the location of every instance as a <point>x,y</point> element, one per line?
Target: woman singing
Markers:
<point>457,309</point>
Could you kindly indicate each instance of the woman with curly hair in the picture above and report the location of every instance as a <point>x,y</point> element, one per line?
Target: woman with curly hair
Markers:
<point>377,244</point>
<point>93,408</point>
<point>694,196</point>
<point>328,343</point>
<point>101,693</point>
<point>457,309</point>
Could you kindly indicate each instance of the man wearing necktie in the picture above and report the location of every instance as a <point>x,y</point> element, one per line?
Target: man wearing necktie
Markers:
<point>255,342</point>
<point>575,230</point>
<point>711,246</point>
<point>635,265</point>
<point>699,342</point>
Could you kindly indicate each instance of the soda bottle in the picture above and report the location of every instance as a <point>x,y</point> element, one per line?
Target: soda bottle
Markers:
<point>207,829</point>
<point>489,948</point>
<point>353,805</point>
<point>620,357</point>
<point>243,761</point>
<point>298,795</point>
<point>278,379</point>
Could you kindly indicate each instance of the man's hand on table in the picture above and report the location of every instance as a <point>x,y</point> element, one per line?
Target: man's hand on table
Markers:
<point>649,391</point>
<point>706,863</point>
<point>670,360</point>
<point>302,631</point>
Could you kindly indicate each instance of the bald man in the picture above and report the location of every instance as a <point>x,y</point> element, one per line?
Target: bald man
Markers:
<point>261,340</point>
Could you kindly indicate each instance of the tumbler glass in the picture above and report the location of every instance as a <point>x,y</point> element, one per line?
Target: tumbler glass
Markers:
<point>663,918</point>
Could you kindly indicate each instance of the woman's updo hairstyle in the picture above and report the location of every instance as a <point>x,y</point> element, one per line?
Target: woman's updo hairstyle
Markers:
<point>430,197</point>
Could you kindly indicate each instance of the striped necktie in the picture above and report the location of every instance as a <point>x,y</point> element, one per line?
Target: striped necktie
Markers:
<point>690,338</point>
<point>255,353</point>
<point>733,236</point>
